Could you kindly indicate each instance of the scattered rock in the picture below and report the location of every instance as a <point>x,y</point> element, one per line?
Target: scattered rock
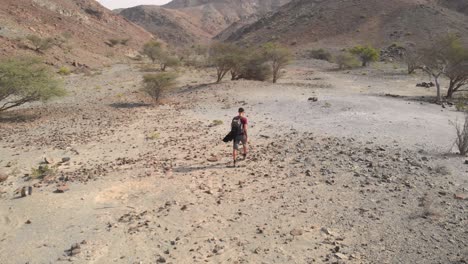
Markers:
<point>28,222</point>
<point>296,232</point>
<point>313,99</point>
<point>48,160</point>
<point>460,196</point>
<point>213,158</point>
<point>65,159</point>
<point>161,260</point>
<point>466,162</point>
<point>3,177</point>
<point>62,188</point>
<point>341,256</point>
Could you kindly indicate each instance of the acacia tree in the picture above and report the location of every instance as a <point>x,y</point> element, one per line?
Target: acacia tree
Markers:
<point>222,57</point>
<point>412,60</point>
<point>446,57</point>
<point>457,68</point>
<point>278,56</point>
<point>25,80</point>
<point>153,50</point>
<point>366,54</point>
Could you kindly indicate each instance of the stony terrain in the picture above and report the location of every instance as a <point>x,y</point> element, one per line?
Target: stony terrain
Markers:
<point>356,177</point>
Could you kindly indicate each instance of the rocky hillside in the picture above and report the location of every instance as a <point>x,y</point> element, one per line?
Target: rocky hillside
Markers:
<point>172,26</point>
<point>328,23</point>
<point>215,15</point>
<point>82,30</point>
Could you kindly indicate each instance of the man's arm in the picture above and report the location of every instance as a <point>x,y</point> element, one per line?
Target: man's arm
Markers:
<point>245,130</point>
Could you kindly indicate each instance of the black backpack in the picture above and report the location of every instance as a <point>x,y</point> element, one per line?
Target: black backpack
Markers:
<point>236,126</point>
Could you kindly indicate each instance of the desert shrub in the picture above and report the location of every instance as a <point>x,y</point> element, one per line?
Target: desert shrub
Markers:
<point>412,60</point>
<point>346,61</point>
<point>64,71</point>
<point>217,122</point>
<point>43,171</point>
<point>320,54</point>
<point>256,69</point>
<point>113,42</point>
<point>461,140</point>
<point>366,54</point>
<point>153,136</point>
<point>278,57</point>
<point>156,84</point>
<point>124,41</point>
<point>40,44</point>
<point>152,50</point>
<point>25,80</point>
<point>167,60</point>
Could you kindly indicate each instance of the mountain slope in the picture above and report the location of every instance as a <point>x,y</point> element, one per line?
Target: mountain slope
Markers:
<point>85,23</point>
<point>213,16</point>
<point>338,23</point>
<point>172,26</point>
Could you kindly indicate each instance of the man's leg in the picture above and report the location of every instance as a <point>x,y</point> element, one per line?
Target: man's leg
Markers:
<point>235,148</point>
<point>244,145</point>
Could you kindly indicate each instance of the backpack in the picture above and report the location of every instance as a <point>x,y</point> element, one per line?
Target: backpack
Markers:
<point>236,126</point>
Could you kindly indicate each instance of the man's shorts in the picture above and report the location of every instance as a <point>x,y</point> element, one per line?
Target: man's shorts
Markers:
<point>239,139</point>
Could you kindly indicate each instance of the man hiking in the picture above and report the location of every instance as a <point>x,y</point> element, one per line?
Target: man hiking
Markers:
<point>239,130</point>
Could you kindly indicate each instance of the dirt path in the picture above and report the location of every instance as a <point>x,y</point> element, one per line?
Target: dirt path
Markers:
<point>341,180</point>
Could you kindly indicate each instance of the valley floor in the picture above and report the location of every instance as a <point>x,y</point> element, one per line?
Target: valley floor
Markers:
<point>356,177</point>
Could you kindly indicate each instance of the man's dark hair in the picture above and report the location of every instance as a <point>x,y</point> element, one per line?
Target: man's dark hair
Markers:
<point>241,110</point>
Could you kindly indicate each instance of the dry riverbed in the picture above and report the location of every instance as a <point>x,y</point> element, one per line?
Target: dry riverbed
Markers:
<point>354,177</point>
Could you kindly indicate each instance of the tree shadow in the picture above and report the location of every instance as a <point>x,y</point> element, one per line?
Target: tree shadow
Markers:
<point>188,169</point>
<point>129,105</point>
<point>17,117</point>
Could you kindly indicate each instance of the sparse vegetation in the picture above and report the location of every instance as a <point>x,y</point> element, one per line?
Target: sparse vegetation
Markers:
<point>25,80</point>
<point>366,54</point>
<point>321,54</point>
<point>64,71</point>
<point>167,60</point>
<point>156,84</point>
<point>346,60</point>
<point>153,136</point>
<point>461,140</point>
<point>42,171</point>
<point>116,41</point>
<point>40,44</point>
<point>217,122</point>
<point>278,57</point>
<point>412,59</point>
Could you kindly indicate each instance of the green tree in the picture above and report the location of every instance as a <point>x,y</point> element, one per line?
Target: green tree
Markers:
<point>278,57</point>
<point>153,50</point>
<point>222,57</point>
<point>156,84</point>
<point>25,80</point>
<point>446,56</point>
<point>366,54</point>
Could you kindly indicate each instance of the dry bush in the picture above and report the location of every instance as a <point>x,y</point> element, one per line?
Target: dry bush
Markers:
<point>346,61</point>
<point>156,84</point>
<point>461,140</point>
<point>320,54</point>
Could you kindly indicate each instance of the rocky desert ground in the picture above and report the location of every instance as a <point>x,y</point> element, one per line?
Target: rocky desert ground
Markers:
<point>365,174</point>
